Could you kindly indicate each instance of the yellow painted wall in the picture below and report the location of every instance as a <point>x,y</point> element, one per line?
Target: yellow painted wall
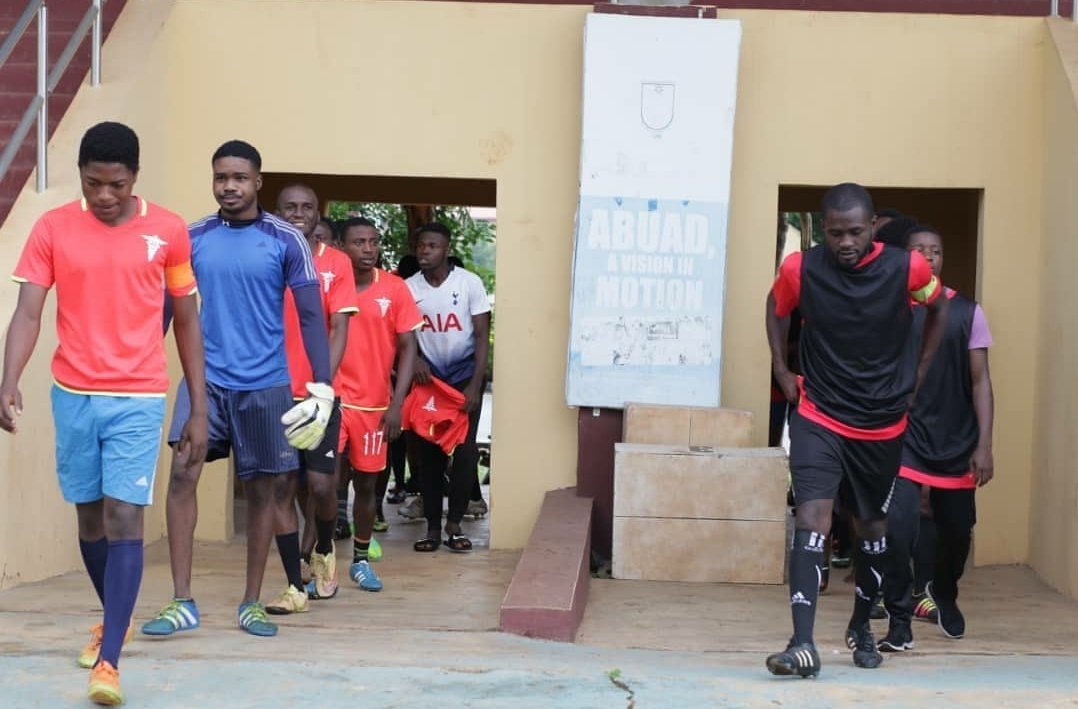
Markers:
<point>1055,498</point>
<point>493,91</point>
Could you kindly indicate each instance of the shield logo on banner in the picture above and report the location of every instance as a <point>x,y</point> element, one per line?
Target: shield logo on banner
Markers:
<point>657,104</point>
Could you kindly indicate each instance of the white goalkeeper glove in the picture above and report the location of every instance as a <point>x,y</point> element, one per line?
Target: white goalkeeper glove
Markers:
<point>305,423</point>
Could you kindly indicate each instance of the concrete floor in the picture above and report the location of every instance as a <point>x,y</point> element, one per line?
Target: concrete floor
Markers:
<point>429,639</point>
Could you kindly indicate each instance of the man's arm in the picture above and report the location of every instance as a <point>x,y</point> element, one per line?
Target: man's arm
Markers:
<point>21,338</point>
<point>312,326</point>
<point>338,339</point>
<point>778,331</point>
<point>935,320</point>
<point>193,438</point>
<point>406,361</point>
<point>474,391</point>
<point>982,462</point>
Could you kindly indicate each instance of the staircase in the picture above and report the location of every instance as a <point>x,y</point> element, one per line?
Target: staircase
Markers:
<point>18,79</point>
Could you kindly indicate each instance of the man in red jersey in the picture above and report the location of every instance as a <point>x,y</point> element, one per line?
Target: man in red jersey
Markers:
<point>317,475</point>
<point>108,254</point>
<point>382,332</point>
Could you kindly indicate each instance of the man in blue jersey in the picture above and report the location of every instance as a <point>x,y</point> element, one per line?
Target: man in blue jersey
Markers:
<point>247,258</point>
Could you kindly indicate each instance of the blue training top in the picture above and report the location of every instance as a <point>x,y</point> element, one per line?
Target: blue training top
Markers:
<point>242,270</point>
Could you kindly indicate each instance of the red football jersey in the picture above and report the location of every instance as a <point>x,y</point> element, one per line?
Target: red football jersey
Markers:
<point>386,309</point>
<point>108,293</point>
<point>433,412</point>
<point>338,288</point>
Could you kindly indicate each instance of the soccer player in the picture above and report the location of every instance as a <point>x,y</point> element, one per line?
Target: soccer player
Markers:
<point>858,375</point>
<point>108,254</point>
<point>244,259</point>
<point>298,205</point>
<point>453,343</point>
<point>382,332</point>
<point>947,449</point>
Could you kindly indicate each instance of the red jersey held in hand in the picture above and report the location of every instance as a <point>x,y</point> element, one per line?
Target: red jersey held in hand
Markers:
<point>433,411</point>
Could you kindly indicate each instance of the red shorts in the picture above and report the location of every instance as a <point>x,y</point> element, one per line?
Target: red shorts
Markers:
<point>364,439</point>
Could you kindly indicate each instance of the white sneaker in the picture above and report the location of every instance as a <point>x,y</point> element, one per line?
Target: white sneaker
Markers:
<point>413,509</point>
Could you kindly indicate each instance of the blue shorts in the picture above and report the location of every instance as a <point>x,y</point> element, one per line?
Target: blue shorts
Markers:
<point>107,446</point>
<point>246,423</point>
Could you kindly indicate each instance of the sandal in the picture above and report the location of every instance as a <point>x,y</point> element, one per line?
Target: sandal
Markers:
<point>458,543</point>
<point>427,544</point>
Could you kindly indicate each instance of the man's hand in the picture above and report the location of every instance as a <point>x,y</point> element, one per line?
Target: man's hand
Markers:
<point>422,371</point>
<point>982,465</point>
<point>788,383</point>
<point>306,422</point>
<point>10,406</point>
<point>191,449</point>
<point>473,395</point>
<point>391,422</point>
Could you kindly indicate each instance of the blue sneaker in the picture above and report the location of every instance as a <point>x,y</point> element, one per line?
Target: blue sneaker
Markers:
<point>363,574</point>
<point>177,615</point>
<point>254,620</point>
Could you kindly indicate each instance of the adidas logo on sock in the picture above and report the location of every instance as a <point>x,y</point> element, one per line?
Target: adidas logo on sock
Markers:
<point>798,599</point>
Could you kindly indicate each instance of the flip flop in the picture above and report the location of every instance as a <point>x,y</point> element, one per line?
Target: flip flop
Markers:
<point>458,543</point>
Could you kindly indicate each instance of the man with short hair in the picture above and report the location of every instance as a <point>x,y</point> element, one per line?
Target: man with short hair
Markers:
<point>297,204</point>
<point>382,333</point>
<point>948,450</point>
<point>858,374</point>
<point>244,259</point>
<point>453,345</point>
<point>108,255</point>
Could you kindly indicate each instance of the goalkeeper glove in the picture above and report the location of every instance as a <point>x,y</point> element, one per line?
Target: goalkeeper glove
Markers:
<point>305,423</point>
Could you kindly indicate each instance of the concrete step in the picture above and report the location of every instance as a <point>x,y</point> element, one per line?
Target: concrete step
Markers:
<point>549,590</point>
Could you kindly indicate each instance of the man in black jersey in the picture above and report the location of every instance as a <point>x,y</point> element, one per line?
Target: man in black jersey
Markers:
<point>858,376</point>
<point>948,449</point>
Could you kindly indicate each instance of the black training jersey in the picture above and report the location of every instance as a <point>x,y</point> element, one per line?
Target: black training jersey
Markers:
<point>943,429</point>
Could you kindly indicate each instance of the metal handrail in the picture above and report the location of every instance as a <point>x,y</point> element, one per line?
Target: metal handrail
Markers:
<point>47,82</point>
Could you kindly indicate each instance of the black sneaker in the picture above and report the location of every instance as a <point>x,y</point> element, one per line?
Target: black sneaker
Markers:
<point>342,530</point>
<point>899,638</point>
<point>863,644</point>
<point>801,660</point>
<point>950,618</point>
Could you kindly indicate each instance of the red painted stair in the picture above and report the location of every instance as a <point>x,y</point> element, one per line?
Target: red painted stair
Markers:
<point>18,79</point>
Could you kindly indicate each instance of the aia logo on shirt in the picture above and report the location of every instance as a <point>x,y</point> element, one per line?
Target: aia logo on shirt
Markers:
<point>153,245</point>
<point>327,280</point>
<point>439,324</point>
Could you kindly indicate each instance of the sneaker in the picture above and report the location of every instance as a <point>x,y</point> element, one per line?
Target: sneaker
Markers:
<point>253,619</point>
<point>380,524</point>
<point>396,496</point>
<point>343,530</point>
<point>825,578</point>
<point>413,509</point>
<point>374,551</point>
<point>801,660</point>
<point>863,644</point>
<point>926,610</point>
<point>105,685</point>
<point>477,509</point>
<point>841,559</point>
<point>363,574</point>
<point>89,654</point>
<point>323,582</point>
<point>899,638</point>
<point>304,571</point>
<point>176,616</point>
<point>950,618</point>
<point>291,600</point>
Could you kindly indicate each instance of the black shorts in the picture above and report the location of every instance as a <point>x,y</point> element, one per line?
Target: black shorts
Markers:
<point>323,459</point>
<point>246,423</point>
<point>827,466</point>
